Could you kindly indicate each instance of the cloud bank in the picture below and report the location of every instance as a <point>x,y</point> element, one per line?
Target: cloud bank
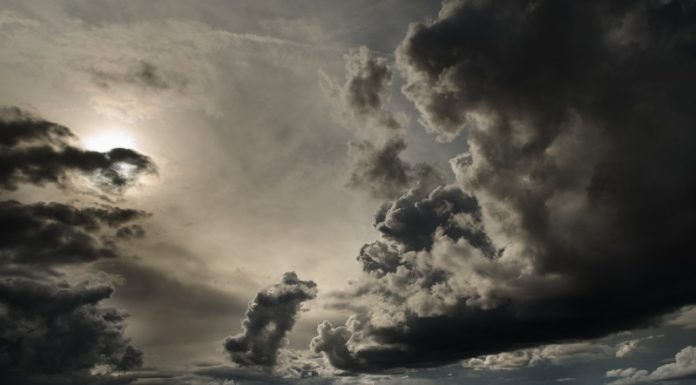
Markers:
<point>573,198</point>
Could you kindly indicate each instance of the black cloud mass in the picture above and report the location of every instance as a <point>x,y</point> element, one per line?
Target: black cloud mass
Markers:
<point>53,326</point>
<point>269,318</point>
<point>573,209</point>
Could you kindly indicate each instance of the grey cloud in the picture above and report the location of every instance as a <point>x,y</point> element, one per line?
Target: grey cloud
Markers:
<point>365,92</point>
<point>54,329</point>
<point>577,184</point>
<point>412,220</point>
<point>270,316</point>
<point>52,326</point>
<point>56,233</point>
<point>381,172</point>
<point>379,257</point>
<point>683,367</point>
<point>37,151</point>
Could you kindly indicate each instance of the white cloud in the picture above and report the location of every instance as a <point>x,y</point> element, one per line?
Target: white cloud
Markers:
<point>686,318</point>
<point>557,354</point>
<point>629,347</point>
<point>684,366</point>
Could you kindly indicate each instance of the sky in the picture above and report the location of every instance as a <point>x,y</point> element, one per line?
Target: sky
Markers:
<point>330,192</point>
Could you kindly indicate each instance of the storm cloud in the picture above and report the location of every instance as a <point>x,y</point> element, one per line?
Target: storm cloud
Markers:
<point>578,177</point>
<point>37,151</point>
<point>54,324</point>
<point>269,318</point>
<point>56,233</point>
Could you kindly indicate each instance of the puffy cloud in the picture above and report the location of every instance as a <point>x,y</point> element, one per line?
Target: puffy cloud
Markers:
<point>381,172</point>
<point>576,185</point>
<point>683,367</point>
<point>37,151</point>
<point>412,220</point>
<point>270,316</point>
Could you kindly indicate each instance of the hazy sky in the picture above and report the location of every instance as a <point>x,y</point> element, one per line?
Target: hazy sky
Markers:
<point>347,192</point>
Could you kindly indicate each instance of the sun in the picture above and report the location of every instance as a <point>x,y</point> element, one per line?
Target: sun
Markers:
<point>106,140</point>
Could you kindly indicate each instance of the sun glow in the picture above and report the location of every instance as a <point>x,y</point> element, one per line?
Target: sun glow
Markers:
<point>106,140</point>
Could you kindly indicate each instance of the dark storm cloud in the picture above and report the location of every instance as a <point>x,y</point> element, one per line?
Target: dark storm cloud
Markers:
<point>411,220</point>
<point>383,174</point>
<point>144,74</point>
<point>56,233</point>
<point>580,126</point>
<point>50,326</point>
<point>36,151</point>
<point>270,316</point>
<point>53,327</point>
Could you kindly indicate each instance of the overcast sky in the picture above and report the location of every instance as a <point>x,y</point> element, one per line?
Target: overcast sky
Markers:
<point>334,192</point>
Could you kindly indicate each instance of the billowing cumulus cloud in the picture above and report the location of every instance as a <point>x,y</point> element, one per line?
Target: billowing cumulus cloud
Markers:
<point>381,172</point>
<point>411,220</point>
<point>576,185</point>
<point>683,367</point>
<point>269,318</point>
<point>37,151</point>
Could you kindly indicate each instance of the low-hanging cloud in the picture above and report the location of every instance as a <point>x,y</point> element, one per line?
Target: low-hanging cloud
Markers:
<point>38,152</point>
<point>269,318</point>
<point>578,177</point>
